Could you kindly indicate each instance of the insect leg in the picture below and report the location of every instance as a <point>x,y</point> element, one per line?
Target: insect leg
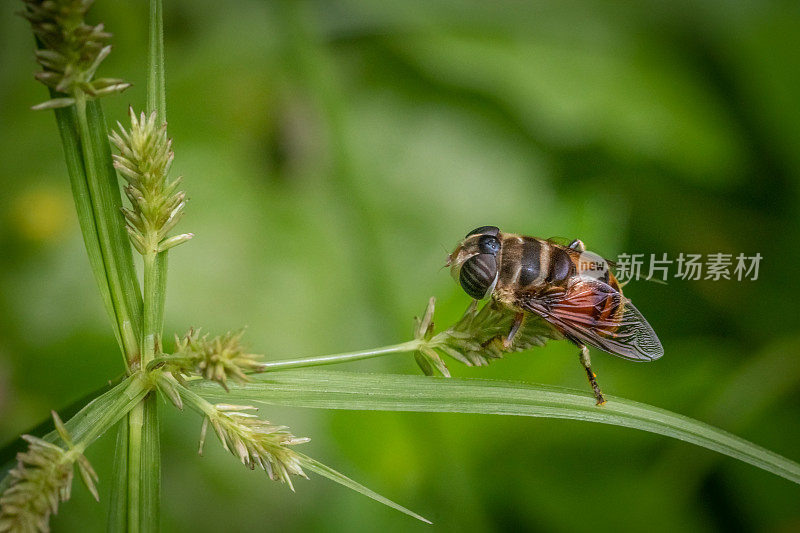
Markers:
<point>587,364</point>
<point>518,318</point>
<point>507,340</point>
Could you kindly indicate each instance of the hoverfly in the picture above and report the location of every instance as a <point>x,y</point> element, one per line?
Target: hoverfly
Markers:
<point>526,275</point>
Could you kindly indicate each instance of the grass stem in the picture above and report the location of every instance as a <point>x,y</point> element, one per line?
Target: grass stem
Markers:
<point>144,456</point>
<point>135,430</point>
<point>285,364</point>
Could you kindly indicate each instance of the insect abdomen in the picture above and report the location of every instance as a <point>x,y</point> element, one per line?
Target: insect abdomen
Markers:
<point>528,263</point>
<point>531,262</point>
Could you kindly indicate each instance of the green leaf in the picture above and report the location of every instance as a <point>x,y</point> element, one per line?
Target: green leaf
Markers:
<point>136,505</point>
<point>8,453</point>
<point>70,140</point>
<point>98,416</point>
<point>118,506</point>
<point>107,204</point>
<point>345,390</point>
<point>150,510</point>
<point>104,411</point>
<point>328,472</point>
<point>95,190</point>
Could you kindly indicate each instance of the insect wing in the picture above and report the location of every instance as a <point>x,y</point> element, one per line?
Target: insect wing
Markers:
<point>588,312</point>
<point>560,241</point>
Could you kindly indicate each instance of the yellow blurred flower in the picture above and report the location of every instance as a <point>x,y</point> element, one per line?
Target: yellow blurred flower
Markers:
<point>41,214</point>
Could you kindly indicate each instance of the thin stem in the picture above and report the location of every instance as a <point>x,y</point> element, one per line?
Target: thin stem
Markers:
<point>144,457</point>
<point>285,364</point>
<point>156,81</point>
<point>152,296</point>
<point>200,404</point>
<point>167,359</point>
<point>155,264</point>
<point>135,429</point>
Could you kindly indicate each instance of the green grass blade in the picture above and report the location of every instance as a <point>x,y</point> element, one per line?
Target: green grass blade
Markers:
<point>136,502</point>
<point>8,453</point>
<point>97,202</point>
<point>104,411</point>
<point>150,497</point>
<point>70,140</point>
<point>99,415</point>
<point>778,377</point>
<point>114,243</point>
<point>315,466</point>
<point>118,505</point>
<point>119,242</point>
<point>345,390</point>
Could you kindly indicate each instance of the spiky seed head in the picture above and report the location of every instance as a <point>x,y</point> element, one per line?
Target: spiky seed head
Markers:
<point>217,358</point>
<point>255,442</point>
<point>41,480</point>
<point>71,51</point>
<point>144,159</point>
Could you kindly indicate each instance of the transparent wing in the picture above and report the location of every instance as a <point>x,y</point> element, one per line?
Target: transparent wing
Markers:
<point>592,312</point>
<point>561,241</point>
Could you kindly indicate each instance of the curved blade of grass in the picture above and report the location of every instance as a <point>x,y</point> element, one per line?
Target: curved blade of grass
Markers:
<point>777,376</point>
<point>328,472</point>
<point>346,390</point>
<point>98,201</point>
<point>99,415</point>
<point>106,203</point>
<point>70,139</point>
<point>104,411</point>
<point>121,271</point>
<point>8,453</point>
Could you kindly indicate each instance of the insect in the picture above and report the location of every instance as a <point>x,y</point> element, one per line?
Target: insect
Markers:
<point>570,288</point>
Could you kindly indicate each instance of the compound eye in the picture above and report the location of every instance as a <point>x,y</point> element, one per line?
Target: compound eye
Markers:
<point>478,274</point>
<point>488,244</point>
<point>485,230</point>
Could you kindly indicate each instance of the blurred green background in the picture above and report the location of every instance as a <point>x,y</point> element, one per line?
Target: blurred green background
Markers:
<point>334,151</point>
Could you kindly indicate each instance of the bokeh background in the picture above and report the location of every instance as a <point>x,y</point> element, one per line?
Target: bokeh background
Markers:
<point>333,153</point>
